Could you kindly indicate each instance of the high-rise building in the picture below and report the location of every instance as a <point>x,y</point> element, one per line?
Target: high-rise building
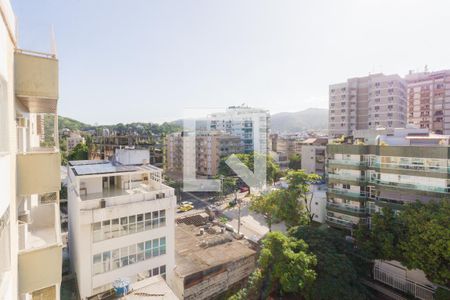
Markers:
<point>252,125</point>
<point>30,232</point>
<point>388,167</point>
<point>429,100</point>
<point>121,221</point>
<point>368,102</point>
<point>210,147</point>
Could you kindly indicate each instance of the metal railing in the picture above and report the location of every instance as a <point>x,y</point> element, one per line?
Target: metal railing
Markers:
<point>403,284</point>
<point>412,186</point>
<point>343,207</point>
<point>410,167</point>
<point>345,177</point>
<point>347,162</point>
<point>360,195</point>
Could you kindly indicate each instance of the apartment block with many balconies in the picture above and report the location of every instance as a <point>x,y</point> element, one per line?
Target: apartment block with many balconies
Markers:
<point>210,147</point>
<point>429,100</point>
<point>367,103</point>
<point>121,221</point>
<point>387,167</point>
<point>30,233</point>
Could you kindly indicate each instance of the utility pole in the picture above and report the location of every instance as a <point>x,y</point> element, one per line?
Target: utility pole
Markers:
<point>239,211</point>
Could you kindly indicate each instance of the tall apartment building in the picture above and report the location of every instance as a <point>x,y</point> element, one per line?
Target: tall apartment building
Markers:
<point>30,233</point>
<point>429,100</point>
<point>388,167</point>
<point>252,125</point>
<point>367,102</point>
<point>210,146</point>
<point>121,221</point>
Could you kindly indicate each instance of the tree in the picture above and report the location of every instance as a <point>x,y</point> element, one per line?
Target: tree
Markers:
<point>337,276</point>
<point>286,266</point>
<point>295,162</point>
<point>289,209</point>
<point>425,243</point>
<point>267,205</point>
<point>299,183</point>
<point>272,169</point>
<point>80,152</point>
<point>418,237</point>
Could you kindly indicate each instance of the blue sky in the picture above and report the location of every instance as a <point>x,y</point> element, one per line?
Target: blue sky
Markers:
<point>143,60</point>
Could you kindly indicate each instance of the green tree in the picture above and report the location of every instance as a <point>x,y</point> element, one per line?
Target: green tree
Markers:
<point>272,169</point>
<point>295,162</point>
<point>418,236</point>
<point>267,205</point>
<point>79,152</point>
<point>300,184</point>
<point>337,276</point>
<point>286,265</point>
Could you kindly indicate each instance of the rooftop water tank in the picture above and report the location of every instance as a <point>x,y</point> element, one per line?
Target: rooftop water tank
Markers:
<point>121,287</point>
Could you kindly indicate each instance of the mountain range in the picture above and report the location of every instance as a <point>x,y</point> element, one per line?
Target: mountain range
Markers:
<point>311,118</point>
<point>284,122</point>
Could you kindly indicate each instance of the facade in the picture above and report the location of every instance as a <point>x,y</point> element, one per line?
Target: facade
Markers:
<point>282,148</point>
<point>209,260</point>
<point>30,233</point>
<point>252,125</point>
<point>210,147</point>
<point>397,167</point>
<point>367,102</point>
<point>121,221</point>
<point>400,167</point>
<point>429,100</point>
<point>313,155</point>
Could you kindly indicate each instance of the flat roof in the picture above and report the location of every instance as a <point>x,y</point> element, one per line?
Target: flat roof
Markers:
<point>195,252</point>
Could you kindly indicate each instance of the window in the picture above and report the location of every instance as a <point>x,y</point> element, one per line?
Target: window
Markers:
<point>156,247</point>
<point>97,231</point>
<point>162,246</point>
<point>155,219</point>
<point>97,264</point>
<point>346,186</point>
<point>140,223</point>
<point>106,229</point>
<point>148,249</point>
<point>115,259</point>
<point>162,218</point>
<point>106,261</point>
<point>115,228</point>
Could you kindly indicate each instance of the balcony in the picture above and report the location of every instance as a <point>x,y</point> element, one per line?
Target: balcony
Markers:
<point>339,223</point>
<point>410,186</point>
<point>36,81</point>
<point>38,172</point>
<point>347,194</point>
<point>347,209</point>
<point>344,178</point>
<point>347,164</point>
<point>40,249</point>
<point>410,168</point>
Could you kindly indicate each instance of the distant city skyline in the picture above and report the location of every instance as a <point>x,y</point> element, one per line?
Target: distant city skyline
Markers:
<point>148,61</point>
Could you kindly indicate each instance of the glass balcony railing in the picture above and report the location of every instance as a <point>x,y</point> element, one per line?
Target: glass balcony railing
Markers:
<point>411,186</point>
<point>356,163</point>
<point>347,208</point>
<point>340,222</point>
<point>419,168</point>
<point>345,177</point>
<point>347,193</point>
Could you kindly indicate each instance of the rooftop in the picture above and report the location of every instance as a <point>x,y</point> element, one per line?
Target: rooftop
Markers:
<point>97,167</point>
<point>195,252</point>
<point>150,288</point>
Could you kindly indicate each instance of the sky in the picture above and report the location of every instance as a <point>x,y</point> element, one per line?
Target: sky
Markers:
<point>151,60</point>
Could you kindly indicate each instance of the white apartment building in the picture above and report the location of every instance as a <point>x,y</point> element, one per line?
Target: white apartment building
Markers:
<point>367,102</point>
<point>252,125</point>
<point>30,234</point>
<point>121,221</point>
<point>429,100</point>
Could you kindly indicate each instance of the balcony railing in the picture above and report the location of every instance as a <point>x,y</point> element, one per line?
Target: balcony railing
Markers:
<point>347,193</point>
<point>403,284</point>
<point>346,177</point>
<point>355,163</point>
<point>347,208</point>
<point>38,172</point>
<point>418,168</point>
<point>40,254</point>
<point>340,222</point>
<point>410,186</point>
<point>36,80</point>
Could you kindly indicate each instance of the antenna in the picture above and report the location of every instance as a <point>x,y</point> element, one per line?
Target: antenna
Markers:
<point>53,42</point>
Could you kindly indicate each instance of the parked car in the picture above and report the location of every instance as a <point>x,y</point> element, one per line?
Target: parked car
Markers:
<point>185,207</point>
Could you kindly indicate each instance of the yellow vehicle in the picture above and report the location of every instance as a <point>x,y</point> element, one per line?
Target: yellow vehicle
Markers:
<point>186,207</point>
